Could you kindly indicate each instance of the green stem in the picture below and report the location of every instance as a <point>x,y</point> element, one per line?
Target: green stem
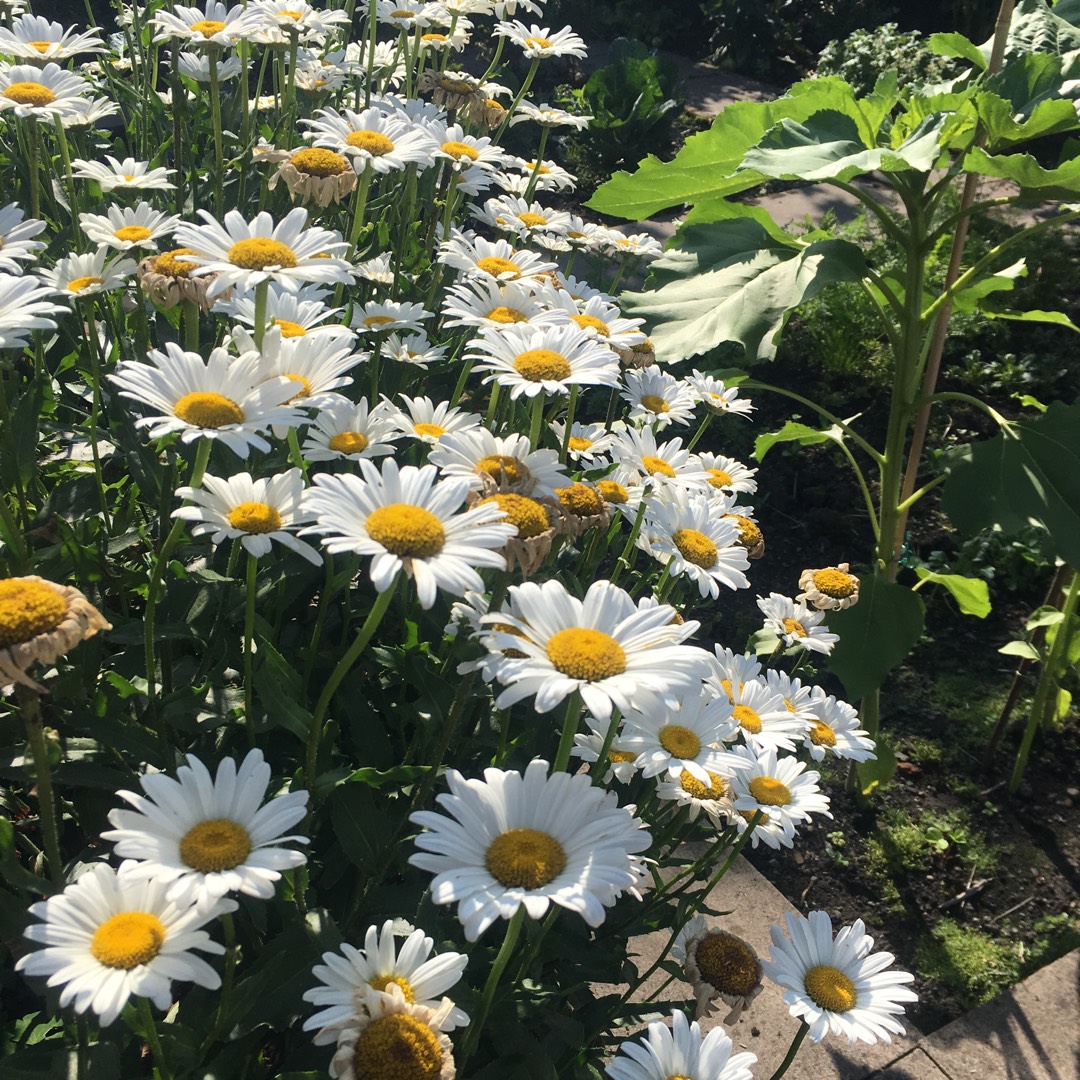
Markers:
<point>249,651</point>
<point>93,346</point>
<point>369,73</point>
<point>150,1031</point>
<point>73,193</point>
<point>569,730</point>
<point>623,561</point>
<point>602,758</point>
<point>472,1033</point>
<point>34,141</point>
<point>517,101</point>
<point>30,707</point>
<point>709,414</point>
<point>259,329</point>
<point>793,1049</point>
<point>571,408</point>
<point>215,111</point>
<point>537,421</point>
<point>534,179</point>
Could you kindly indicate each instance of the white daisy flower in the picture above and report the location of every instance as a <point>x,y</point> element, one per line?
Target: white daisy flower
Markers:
<point>657,465</point>
<point>204,837</point>
<point>507,462</point>
<point>15,242</point>
<point>488,302</point>
<point>503,8</point>
<point>836,730</point>
<point>243,254</point>
<point>796,624</point>
<point>377,269</point>
<point>657,398</point>
<point>765,722</point>
<point>513,840</point>
<point>25,304</point>
<point>580,291</point>
<point>588,443</point>
<point>196,66</point>
<point>550,176</point>
<point>342,429</point>
<point>33,38</point>
<point>436,41</point>
<point>295,314</point>
<point>476,257</point>
<point>126,228</point>
<point>619,763</point>
<point>712,799</point>
<point>599,318</point>
<point>604,647</point>
<point>107,938</point>
<point>255,512</point>
<point>347,975</point>
<point>731,670</point>
<point>726,474</point>
<point>371,139</point>
<point>408,520</point>
<point>377,317</point>
<point>512,214</point>
<point>41,93</point>
<point>781,789</point>
<point>719,397</point>
<point>796,697</point>
<point>462,150</point>
<point>680,1051</point>
<point>548,116</point>
<point>220,398</point>
<point>637,245</point>
<point>837,984</point>
<point>88,274</point>
<point>424,420</point>
<point>415,349</point>
<point>125,175</point>
<point>211,25</point>
<point>719,966</point>
<point>532,360</point>
<point>540,43</point>
<point>90,112</point>
<point>279,22</point>
<point>832,588</point>
<point>405,15</point>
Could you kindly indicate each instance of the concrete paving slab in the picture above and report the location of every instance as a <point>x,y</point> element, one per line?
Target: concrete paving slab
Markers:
<point>914,1066</point>
<point>1031,1032</point>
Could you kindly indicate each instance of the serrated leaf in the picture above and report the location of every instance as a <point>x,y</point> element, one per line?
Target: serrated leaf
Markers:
<point>876,634</point>
<point>959,46</point>
<point>795,432</point>
<point>972,595</point>
<point>1035,181</point>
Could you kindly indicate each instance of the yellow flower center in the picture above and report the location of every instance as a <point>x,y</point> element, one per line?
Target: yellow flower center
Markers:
<point>207,27</point>
<point>717,788</point>
<point>171,265</point>
<point>835,583</point>
<point>373,322</point>
<point>408,531</point>
<point>747,717</point>
<point>215,844</point>
<point>656,466</point>
<point>749,534</point>
<point>718,478</point>
<point>374,143</point>
<point>255,517</point>
<point>830,989</point>
<point>794,627</point>
<point>526,515</point>
<point>695,547</point>
<point>540,365</point>
<point>349,442</point>
<point>579,444</point>
<point>619,756</point>
<point>727,963</point>
<point>525,859</point>
<point>434,37</point>
<point>506,315</point>
<point>433,431</point>
<point>381,982</point>
<point>591,322</point>
<point>583,653</point>
<point>30,93</point>
<point>40,46</point>
<point>205,409</point>
<point>532,220</point>
<point>260,252</point>
<point>611,491</point>
<point>128,178</point>
<point>28,608</point>
<point>496,266</point>
<point>290,330</point>
<point>580,500</point>
<point>316,161</point>
<point>458,150</point>
<point>133,233</point>
<point>80,283</point>
<point>680,741</point>
<point>401,13</point>
<point>538,42</point>
<point>769,791</point>
<point>398,1047</point>
<point>127,940</point>
<point>296,16</point>
<point>502,467</point>
<point>821,734</point>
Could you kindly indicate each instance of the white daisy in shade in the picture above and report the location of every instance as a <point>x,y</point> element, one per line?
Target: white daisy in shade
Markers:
<point>718,396</point>
<point>600,319</point>
<point>533,360</point>
<point>372,140</point>
<point>126,175</point>
<point>796,624</point>
<point>89,274</point>
<point>796,697</point>
<point>657,398</point>
<point>296,314</point>
<point>33,38</point>
<point>680,1052</point>
<point>15,242</point>
<point>507,462</point>
<point>488,302</point>
<point>205,836</point>
<point>377,269</point>
<point>540,43</point>
<point>726,474</point>
<point>197,66</point>
<point>107,938</point>
<point>685,738</point>
<point>416,349</point>
<point>513,840</point>
<point>655,464</point>
<point>405,16</point>
<point>41,93</point>
<point>719,966</point>
<point>211,25</point>
<point>344,430</point>
<point>837,984</point>
<point>588,443</point>
<point>244,254</point>
<point>683,532</point>
<point>128,228</point>
<point>255,512</point>
<point>619,762</point>
<point>377,317</point>
<point>25,304</point>
<point>406,519</point>
<point>347,975</point>
<point>90,112</point>
<point>604,647</point>
<point>435,41</point>
<point>424,420</point>
<point>220,398</point>
<point>780,788</point>
<point>548,116</point>
<point>462,151</point>
<point>765,722</point>
<point>476,257</point>
<point>835,730</point>
<point>731,670</point>
<point>282,21</point>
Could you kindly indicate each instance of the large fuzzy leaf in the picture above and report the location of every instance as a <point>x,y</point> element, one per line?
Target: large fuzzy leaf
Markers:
<point>1035,181</point>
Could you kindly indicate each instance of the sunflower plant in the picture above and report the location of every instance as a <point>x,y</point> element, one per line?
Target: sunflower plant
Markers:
<point>357,705</point>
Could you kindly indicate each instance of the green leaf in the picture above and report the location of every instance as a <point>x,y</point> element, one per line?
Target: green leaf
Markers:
<point>971,594</point>
<point>1062,704</point>
<point>1037,29</point>
<point>876,634</point>
<point>967,300</point>
<point>795,432</point>
<point>878,770</point>
<point>1044,616</point>
<point>1023,649</point>
<point>278,687</point>
<point>358,826</point>
<point>959,46</point>
<point>1053,318</point>
<point>1069,10</point>
<point>732,281</point>
<point>1030,402</point>
<point>1028,474</point>
<point>1062,182</point>
<point>398,775</point>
